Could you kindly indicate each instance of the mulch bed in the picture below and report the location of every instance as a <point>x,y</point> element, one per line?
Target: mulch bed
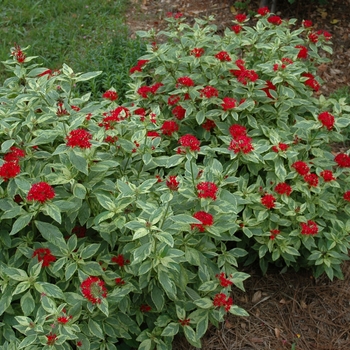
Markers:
<point>293,310</point>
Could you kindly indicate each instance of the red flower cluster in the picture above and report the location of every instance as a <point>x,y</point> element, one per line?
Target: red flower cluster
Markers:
<point>207,189</point>
<point>18,54</point>
<point>327,175</point>
<point>172,183</point>
<point>111,139</point>
<point>228,103</point>
<point>179,112</point>
<point>197,52</point>
<point>209,91</point>
<point>276,20</point>
<point>119,281</point>
<point>115,116</point>
<point>327,120</point>
<point>169,127</point>
<point>241,17</point>
<point>40,192</point>
<point>79,138</point>
<point>93,289</point>
<point>44,255</point>
<point>143,91</point>
<point>236,28</point>
<point>303,51</point>
<point>283,188</point>
<point>247,75</point>
<point>343,160</point>
<point>306,23</point>
<point>241,142</point>
<point>280,147</point>
<point>224,282</point>
<point>138,67</point>
<point>185,322</point>
<point>268,200</point>
<point>221,299</point>
<point>145,308</point>
<point>208,125</point>
<point>223,56</point>
<point>120,260</point>
<point>269,86</point>
<point>185,81</point>
<point>79,231</point>
<point>301,167</point>
<point>61,111</point>
<point>263,11</point>
<point>9,170</point>
<point>190,142</point>
<point>110,95</point>
<point>309,228</point>
<point>51,339</point>
<point>173,100</point>
<point>206,219</point>
<point>64,319</point>
<point>14,155</point>
<point>311,179</point>
<point>311,81</point>
<point>152,134</point>
<point>346,196</point>
<point>274,233</point>
<point>326,35</point>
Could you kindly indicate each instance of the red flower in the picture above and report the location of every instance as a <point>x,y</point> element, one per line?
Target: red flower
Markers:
<point>185,81</point>
<point>93,289</point>
<point>301,167</point>
<point>44,255</point>
<point>309,228</point>
<point>346,196</point>
<point>79,231</point>
<point>283,188</point>
<point>79,343</point>
<point>14,155</point>
<point>343,160</point>
<point>197,52</point>
<point>306,23</point>
<point>145,308</point>
<point>189,141</point>
<point>110,95</point>
<point>311,179</point>
<point>224,282</point>
<point>241,143</point>
<point>138,67</point>
<point>247,75</point>
<point>223,56</point>
<point>9,170</point>
<point>237,130</point>
<point>280,147</point>
<point>313,37</point>
<point>179,112</point>
<point>79,138</point>
<point>18,54</point>
<point>263,11</point>
<point>209,91</point>
<point>173,100</point>
<point>274,233</point>
<point>228,103</point>
<point>185,322</point>
<point>241,17</point>
<point>221,299</point>
<point>207,190</point>
<point>119,281</point>
<point>237,28</point>
<point>154,88</point>
<point>120,260</point>
<point>63,319</point>
<point>327,36</point>
<point>206,219</point>
<point>208,125</point>
<point>51,339</point>
<point>40,192</point>
<point>326,120</point>
<point>143,91</point>
<point>276,20</point>
<point>268,200</point>
<point>269,86</point>
<point>169,127</point>
<point>152,134</point>
<point>327,175</point>
<point>75,108</point>
<point>61,111</point>
<point>111,139</point>
<point>172,183</point>
<point>303,51</point>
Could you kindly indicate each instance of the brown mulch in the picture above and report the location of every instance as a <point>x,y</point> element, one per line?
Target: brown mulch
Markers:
<point>290,311</point>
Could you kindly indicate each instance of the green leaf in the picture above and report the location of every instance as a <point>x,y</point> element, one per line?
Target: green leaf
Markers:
<point>170,330</point>
<point>21,222</point>
<point>165,237</point>
<point>141,253</point>
<point>27,303</point>
<point>21,287</point>
<point>191,337</point>
<point>28,340</point>
<point>185,219</point>
<point>6,145</point>
<point>168,285</point>
<point>202,326</point>
<point>208,286</point>
<point>174,160</point>
<point>89,251</point>
<point>70,270</point>
<point>16,274</point>
<point>87,76</point>
<point>103,306</point>
<point>105,201</point>
<point>52,234</point>
<point>78,162</point>
<point>204,303</point>
<point>91,268</point>
<point>146,345</point>
<point>124,189</point>
<point>157,296</point>
<point>5,300</point>
<point>53,211</point>
<point>95,329</point>
<point>280,170</point>
<point>79,191</point>
<point>238,311</point>
<point>49,289</point>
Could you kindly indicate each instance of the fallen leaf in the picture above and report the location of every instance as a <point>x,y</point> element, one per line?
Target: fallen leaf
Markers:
<point>257,296</point>
<point>233,10</point>
<point>277,332</point>
<point>303,304</point>
<point>257,340</point>
<point>334,21</point>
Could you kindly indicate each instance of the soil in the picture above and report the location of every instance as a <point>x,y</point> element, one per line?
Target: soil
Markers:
<point>291,310</point>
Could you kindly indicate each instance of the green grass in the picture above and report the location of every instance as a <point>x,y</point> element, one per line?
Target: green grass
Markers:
<point>85,34</point>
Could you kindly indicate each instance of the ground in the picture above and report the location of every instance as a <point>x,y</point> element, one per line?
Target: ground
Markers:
<point>290,311</point>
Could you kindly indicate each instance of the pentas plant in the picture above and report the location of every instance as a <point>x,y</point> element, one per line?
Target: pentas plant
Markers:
<point>126,223</point>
